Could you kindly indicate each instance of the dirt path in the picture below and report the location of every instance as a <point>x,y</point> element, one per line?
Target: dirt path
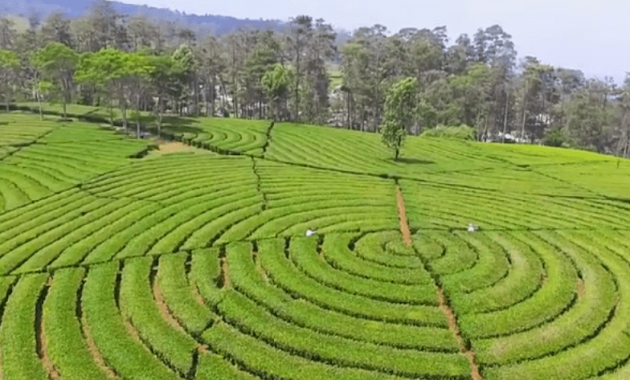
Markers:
<point>225,275</point>
<point>402,217</point>
<point>96,355</point>
<point>53,374</point>
<point>198,296</point>
<point>42,348</point>
<point>580,288</point>
<point>259,268</point>
<point>164,310</point>
<point>443,301</point>
<point>454,327</point>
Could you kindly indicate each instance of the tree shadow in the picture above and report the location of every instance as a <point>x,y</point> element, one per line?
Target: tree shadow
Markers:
<point>413,161</point>
<point>176,125</point>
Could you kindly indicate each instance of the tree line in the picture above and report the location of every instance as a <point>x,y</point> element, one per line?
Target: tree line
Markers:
<point>306,74</point>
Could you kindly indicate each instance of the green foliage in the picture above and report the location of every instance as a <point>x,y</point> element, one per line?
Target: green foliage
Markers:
<point>462,132</point>
<point>107,328</point>
<point>118,75</point>
<point>64,336</point>
<point>400,106</point>
<point>8,60</point>
<point>55,58</point>
<point>57,62</point>
<point>138,304</point>
<point>178,294</point>
<point>9,65</point>
<point>555,137</point>
<point>276,83</point>
<point>17,336</point>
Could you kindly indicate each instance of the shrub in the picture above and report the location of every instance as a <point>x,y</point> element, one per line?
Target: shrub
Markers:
<point>463,132</point>
<point>555,137</point>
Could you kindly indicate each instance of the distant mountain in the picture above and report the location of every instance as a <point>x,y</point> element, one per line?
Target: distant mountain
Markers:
<point>74,8</point>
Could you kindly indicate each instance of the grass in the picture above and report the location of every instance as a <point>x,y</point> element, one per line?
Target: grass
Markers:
<point>191,262</point>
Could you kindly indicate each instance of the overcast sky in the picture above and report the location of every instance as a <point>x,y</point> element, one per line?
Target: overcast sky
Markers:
<point>589,35</point>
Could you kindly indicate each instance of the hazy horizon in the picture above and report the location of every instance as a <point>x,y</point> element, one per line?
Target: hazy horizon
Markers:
<point>588,36</point>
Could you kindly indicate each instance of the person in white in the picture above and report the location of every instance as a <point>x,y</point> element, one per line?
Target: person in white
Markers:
<point>310,232</point>
<point>471,228</point>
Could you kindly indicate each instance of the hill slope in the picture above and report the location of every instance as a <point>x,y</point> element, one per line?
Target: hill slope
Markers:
<point>75,8</point>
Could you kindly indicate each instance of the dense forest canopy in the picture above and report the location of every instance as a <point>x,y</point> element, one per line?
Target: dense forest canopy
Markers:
<point>306,72</point>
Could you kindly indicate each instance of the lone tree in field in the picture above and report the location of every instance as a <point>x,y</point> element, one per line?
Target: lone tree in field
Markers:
<point>400,109</point>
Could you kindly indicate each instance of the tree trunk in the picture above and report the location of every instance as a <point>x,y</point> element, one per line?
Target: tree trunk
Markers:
<point>212,96</point>
<point>111,114</point>
<point>523,125</point>
<point>196,93</point>
<point>297,82</point>
<point>123,109</point>
<point>158,108</point>
<point>505,118</point>
<point>39,104</point>
<point>348,105</point>
<point>524,110</point>
<point>206,97</point>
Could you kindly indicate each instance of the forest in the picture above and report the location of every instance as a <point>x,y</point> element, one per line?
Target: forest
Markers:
<point>306,73</point>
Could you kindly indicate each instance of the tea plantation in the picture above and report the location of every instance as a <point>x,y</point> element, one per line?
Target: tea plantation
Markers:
<point>121,261</point>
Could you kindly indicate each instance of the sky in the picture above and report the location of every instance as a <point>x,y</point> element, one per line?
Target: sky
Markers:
<point>588,35</point>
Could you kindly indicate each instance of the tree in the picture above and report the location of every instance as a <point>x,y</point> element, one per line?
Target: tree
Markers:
<point>56,28</point>
<point>7,33</point>
<point>470,91</point>
<point>300,32</point>
<point>212,66</point>
<point>57,62</point>
<point>42,88</point>
<point>624,99</point>
<point>260,58</point>
<point>276,83</point>
<point>9,66</point>
<point>185,67</point>
<point>163,81</point>
<point>400,105</point>
<point>99,28</point>
<point>142,33</point>
<point>118,75</point>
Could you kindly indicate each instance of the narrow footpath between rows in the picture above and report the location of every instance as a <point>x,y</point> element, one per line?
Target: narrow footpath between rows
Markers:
<point>443,300</point>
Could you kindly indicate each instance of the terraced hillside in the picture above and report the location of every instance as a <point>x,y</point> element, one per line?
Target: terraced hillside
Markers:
<point>195,265</point>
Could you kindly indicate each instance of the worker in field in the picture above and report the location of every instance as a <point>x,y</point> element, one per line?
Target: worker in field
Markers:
<point>310,232</point>
<point>471,228</point>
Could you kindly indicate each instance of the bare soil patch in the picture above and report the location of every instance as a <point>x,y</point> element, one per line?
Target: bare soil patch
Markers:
<point>402,217</point>
<point>225,274</point>
<point>172,147</point>
<point>580,288</point>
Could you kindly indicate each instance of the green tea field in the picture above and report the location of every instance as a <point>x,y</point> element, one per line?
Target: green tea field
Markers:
<point>191,261</point>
